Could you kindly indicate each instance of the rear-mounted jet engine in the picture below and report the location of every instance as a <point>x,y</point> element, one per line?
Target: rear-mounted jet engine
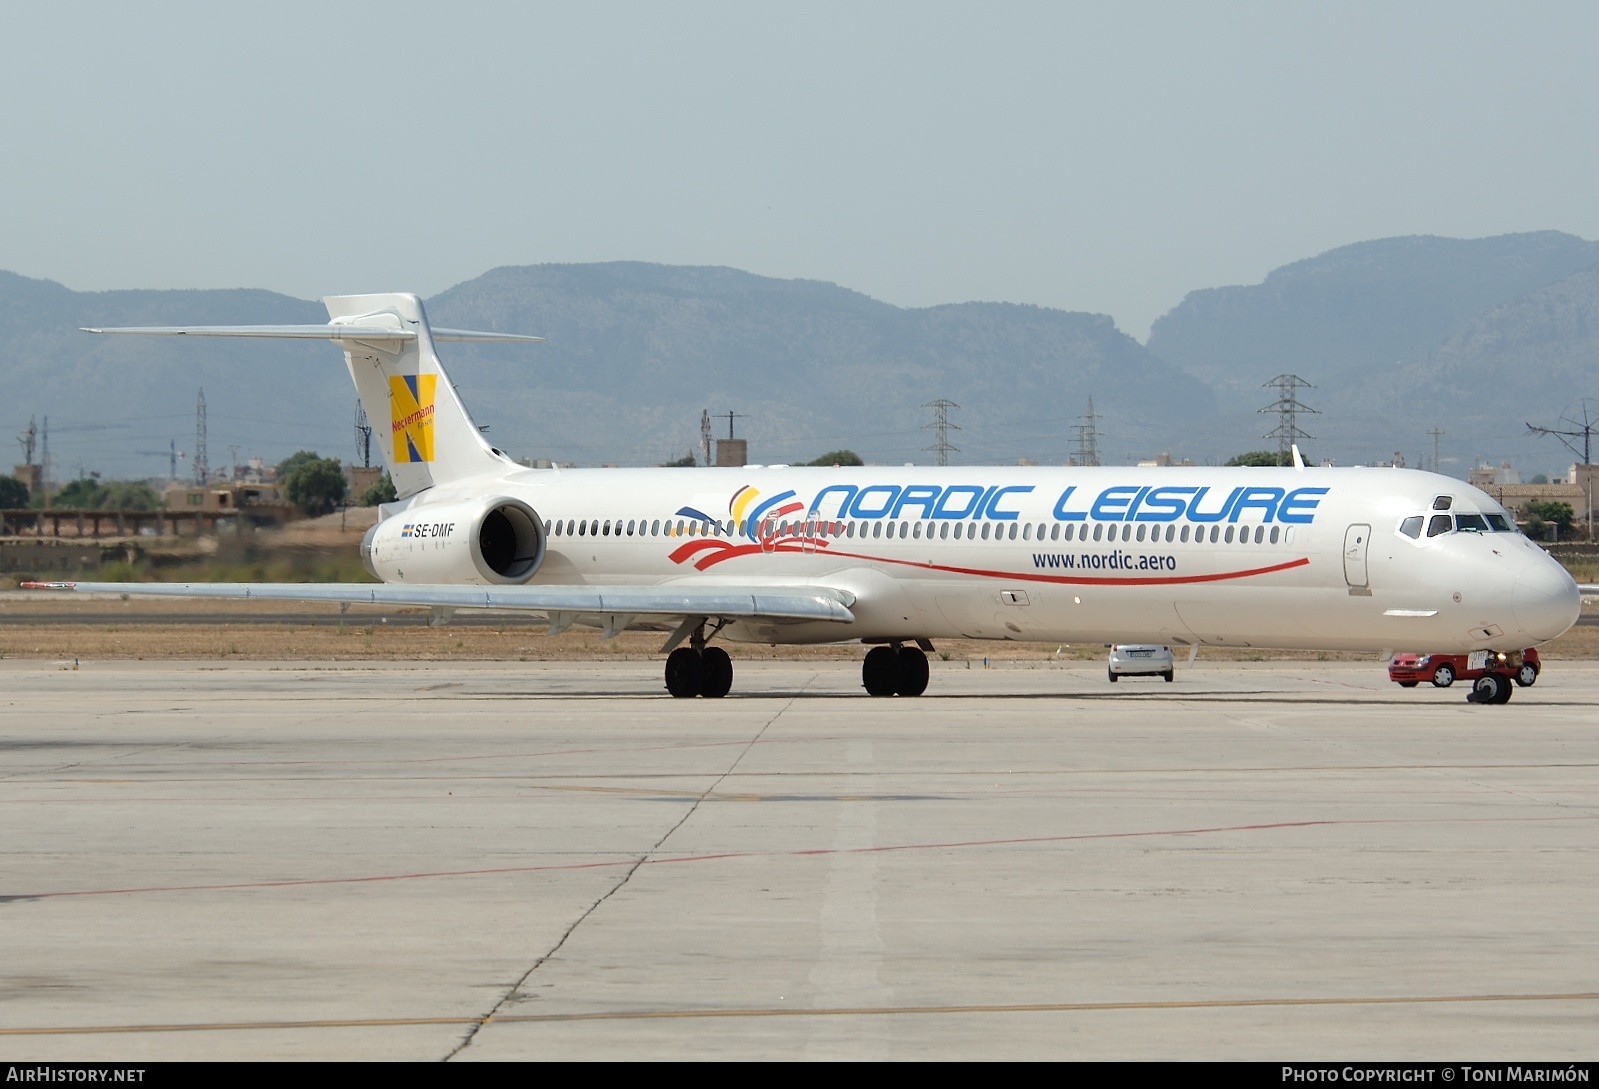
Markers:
<point>496,541</point>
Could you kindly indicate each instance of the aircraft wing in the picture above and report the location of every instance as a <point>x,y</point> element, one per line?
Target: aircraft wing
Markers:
<point>798,603</point>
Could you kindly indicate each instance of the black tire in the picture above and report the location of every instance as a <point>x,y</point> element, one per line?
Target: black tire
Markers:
<point>913,672</point>
<point>1490,688</point>
<point>1527,675</point>
<point>1407,684</point>
<point>1168,675</point>
<point>1111,673</point>
<point>685,673</point>
<point>1443,676</point>
<point>880,671</point>
<point>718,677</point>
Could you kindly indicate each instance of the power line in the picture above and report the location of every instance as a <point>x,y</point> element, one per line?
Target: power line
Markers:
<point>201,468</point>
<point>1584,429</point>
<point>27,439</point>
<point>1086,435</point>
<point>1287,407</point>
<point>941,427</point>
<point>363,436</point>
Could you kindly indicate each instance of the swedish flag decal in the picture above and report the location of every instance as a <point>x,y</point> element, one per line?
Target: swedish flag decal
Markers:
<point>411,413</point>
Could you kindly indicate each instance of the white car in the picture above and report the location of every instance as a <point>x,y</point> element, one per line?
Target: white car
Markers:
<point>1128,659</point>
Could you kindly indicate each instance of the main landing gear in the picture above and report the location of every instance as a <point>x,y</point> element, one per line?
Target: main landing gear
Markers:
<point>894,671</point>
<point>699,670</point>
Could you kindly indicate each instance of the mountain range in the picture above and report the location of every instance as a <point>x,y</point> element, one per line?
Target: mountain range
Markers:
<point>1396,336</point>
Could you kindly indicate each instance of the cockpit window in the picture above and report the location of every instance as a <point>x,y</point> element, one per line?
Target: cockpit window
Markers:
<point>1500,523</point>
<point>1439,523</point>
<point>1474,523</point>
<point>1443,502</point>
<point>1411,527</point>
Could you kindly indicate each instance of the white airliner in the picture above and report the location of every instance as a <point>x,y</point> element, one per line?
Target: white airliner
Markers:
<point>1293,558</point>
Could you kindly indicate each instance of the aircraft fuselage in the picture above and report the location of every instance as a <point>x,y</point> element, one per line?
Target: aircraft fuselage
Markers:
<point>1248,557</point>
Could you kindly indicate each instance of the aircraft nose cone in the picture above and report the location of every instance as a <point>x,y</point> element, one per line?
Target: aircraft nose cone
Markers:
<point>1546,601</point>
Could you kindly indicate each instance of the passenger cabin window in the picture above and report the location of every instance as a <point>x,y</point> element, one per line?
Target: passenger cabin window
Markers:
<point>1439,523</point>
<point>1411,527</point>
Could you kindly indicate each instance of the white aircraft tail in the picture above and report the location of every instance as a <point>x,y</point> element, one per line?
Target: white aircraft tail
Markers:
<point>428,437</point>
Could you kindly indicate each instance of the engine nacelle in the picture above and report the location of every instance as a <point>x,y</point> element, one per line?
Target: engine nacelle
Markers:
<point>497,541</point>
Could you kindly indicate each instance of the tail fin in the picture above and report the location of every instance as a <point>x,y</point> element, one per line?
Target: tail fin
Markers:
<point>388,347</point>
<point>430,438</point>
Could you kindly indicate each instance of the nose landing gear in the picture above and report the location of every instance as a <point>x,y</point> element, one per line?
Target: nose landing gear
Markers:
<point>894,670</point>
<point>1490,688</point>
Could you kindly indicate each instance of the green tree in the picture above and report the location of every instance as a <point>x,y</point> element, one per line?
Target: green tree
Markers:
<point>685,462</point>
<point>127,495</point>
<point>381,492</point>
<point>81,494</point>
<point>13,493</point>
<point>287,466</point>
<point>315,485</point>
<point>91,493</point>
<point>838,457</point>
<point>1541,512</point>
<point>1259,457</point>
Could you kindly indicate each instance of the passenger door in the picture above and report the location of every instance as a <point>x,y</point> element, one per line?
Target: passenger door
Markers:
<point>1356,540</point>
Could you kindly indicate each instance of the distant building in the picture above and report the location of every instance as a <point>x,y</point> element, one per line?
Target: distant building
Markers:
<point>1577,491</point>
<point>732,453</point>
<point>32,477</point>
<point>255,471</point>
<point>1163,460</point>
<point>1485,476</point>
<point>362,477</point>
<point>261,503</point>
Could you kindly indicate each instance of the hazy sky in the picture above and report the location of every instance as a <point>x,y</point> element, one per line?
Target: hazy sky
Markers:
<point>1090,157</point>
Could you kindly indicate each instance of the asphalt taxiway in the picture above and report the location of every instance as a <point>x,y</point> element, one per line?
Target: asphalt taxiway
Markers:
<point>555,860</point>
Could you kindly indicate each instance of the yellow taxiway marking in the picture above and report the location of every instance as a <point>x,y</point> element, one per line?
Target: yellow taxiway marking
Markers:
<point>783,1011</point>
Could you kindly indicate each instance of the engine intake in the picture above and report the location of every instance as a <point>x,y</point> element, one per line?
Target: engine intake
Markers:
<point>495,541</point>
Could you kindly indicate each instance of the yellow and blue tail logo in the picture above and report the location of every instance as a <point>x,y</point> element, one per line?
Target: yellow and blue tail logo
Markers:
<point>411,415</point>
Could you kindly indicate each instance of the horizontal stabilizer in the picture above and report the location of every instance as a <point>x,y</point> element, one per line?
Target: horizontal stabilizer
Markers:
<point>366,333</point>
<point>728,602</point>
